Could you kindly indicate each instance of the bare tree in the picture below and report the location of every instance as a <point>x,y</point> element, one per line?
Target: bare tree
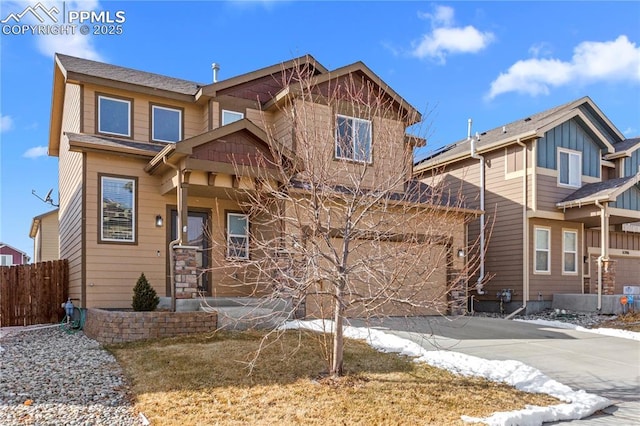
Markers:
<point>338,226</point>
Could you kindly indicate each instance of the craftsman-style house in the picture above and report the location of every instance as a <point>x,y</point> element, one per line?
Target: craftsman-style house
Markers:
<point>561,193</point>
<point>154,172</point>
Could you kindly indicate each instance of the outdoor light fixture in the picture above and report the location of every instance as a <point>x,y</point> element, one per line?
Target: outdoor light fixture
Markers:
<point>159,221</point>
<point>460,252</point>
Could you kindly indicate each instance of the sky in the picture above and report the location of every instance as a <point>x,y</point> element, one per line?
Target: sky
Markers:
<point>494,62</point>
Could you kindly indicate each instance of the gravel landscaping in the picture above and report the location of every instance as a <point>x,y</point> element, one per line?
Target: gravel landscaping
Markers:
<point>49,377</point>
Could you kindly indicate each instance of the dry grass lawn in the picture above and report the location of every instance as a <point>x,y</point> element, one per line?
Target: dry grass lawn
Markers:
<point>204,380</point>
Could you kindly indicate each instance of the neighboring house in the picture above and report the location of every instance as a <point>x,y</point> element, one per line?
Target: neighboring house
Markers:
<point>10,256</point>
<point>140,153</point>
<point>44,231</point>
<point>553,182</point>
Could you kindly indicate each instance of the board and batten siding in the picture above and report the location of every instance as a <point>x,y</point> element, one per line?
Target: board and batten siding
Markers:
<point>192,115</point>
<point>112,269</point>
<point>70,174</point>
<point>632,164</point>
<point>569,135</point>
<point>542,286</point>
<point>629,199</point>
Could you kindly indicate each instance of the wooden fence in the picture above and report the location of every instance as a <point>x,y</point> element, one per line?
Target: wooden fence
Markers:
<point>32,294</point>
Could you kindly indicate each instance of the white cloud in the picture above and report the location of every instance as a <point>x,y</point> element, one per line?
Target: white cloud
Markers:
<point>70,44</point>
<point>617,60</point>
<point>6,123</point>
<point>446,39</point>
<point>629,131</point>
<point>35,152</point>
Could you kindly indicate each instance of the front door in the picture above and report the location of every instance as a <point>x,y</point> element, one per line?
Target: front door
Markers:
<point>198,236</point>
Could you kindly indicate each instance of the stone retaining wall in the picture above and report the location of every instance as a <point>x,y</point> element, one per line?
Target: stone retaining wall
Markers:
<point>120,326</point>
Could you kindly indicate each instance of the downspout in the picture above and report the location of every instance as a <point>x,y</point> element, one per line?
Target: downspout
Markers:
<point>475,155</point>
<point>604,247</point>
<point>525,236</point>
<point>178,240</point>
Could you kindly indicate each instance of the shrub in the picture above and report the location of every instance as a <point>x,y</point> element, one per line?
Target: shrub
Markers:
<point>145,297</point>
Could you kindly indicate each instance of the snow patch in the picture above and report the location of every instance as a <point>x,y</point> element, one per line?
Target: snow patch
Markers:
<point>578,404</point>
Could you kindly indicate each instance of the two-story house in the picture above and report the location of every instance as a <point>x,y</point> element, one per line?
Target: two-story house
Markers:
<point>560,194</point>
<point>154,168</point>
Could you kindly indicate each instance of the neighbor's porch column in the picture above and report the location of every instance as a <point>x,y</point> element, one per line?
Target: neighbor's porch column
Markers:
<point>186,271</point>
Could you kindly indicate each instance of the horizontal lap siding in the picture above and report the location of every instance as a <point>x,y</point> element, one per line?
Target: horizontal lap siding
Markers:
<point>70,187</point>
<point>503,206</point>
<point>192,114</point>
<point>549,193</point>
<point>555,282</point>
<point>113,269</point>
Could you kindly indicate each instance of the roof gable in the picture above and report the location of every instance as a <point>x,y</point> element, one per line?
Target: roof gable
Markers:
<point>533,126</point>
<point>607,190</point>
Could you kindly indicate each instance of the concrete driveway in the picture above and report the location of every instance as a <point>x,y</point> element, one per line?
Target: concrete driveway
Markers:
<point>605,366</point>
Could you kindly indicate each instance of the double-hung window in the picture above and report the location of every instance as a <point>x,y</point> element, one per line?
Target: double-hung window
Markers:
<point>229,117</point>
<point>542,243</point>
<point>114,116</point>
<point>166,124</point>
<point>237,236</point>
<point>117,209</point>
<point>569,168</point>
<point>353,139</point>
<point>570,252</point>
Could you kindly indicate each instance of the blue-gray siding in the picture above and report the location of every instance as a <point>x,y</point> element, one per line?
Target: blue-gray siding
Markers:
<point>631,163</point>
<point>629,199</point>
<point>570,135</point>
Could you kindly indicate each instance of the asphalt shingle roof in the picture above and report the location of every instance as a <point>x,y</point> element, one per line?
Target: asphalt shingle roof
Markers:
<point>128,75</point>
<point>598,189</point>
<point>108,142</point>
<point>520,126</point>
<point>626,144</point>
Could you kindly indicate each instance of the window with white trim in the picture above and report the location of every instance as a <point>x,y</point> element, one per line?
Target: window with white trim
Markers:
<point>353,139</point>
<point>570,252</point>
<point>229,117</point>
<point>117,209</point>
<point>166,124</point>
<point>542,242</point>
<point>237,236</point>
<point>569,168</point>
<point>114,116</point>
<point>6,260</point>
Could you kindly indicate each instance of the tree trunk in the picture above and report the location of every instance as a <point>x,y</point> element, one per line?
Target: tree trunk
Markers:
<point>338,338</point>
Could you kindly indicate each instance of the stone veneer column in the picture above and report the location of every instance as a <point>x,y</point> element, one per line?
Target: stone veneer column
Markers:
<point>185,271</point>
<point>609,278</point>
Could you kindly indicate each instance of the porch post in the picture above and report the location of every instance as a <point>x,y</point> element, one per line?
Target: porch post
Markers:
<point>183,207</point>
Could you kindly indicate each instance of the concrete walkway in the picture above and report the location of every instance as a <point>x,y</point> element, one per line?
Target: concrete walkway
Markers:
<point>605,366</point>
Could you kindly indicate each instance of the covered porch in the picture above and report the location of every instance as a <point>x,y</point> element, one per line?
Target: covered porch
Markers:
<point>603,208</point>
<point>211,177</point>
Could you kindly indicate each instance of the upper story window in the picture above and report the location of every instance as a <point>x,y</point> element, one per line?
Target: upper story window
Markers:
<point>117,209</point>
<point>6,260</point>
<point>542,237</point>
<point>231,116</point>
<point>569,168</point>
<point>114,116</point>
<point>166,124</point>
<point>353,139</point>
<point>237,236</point>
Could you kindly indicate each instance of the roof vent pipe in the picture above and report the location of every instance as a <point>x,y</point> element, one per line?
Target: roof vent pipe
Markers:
<point>474,154</point>
<point>215,67</point>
